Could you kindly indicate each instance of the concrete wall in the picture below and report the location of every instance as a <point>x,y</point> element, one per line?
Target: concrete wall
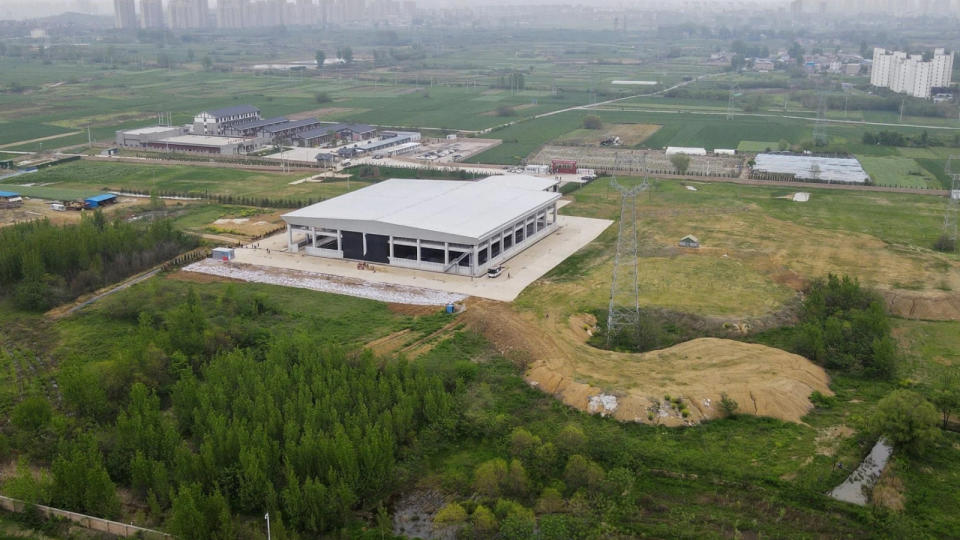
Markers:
<point>89,522</point>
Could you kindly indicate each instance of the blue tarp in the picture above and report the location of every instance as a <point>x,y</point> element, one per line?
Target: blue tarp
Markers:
<point>9,194</point>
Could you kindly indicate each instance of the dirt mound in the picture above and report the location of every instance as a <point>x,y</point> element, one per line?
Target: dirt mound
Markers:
<point>926,305</point>
<point>763,380</point>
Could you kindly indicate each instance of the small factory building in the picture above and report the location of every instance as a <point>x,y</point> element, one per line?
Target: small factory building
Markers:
<point>141,137</point>
<point>288,131</point>
<point>333,133</point>
<point>203,144</point>
<point>9,199</point>
<point>254,128</point>
<point>455,227</point>
<point>99,200</point>
<point>218,121</point>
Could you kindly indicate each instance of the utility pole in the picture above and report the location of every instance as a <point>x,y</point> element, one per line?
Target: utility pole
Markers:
<point>953,199</point>
<point>624,309</point>
<point>267,517</point>
<point>902,103</point>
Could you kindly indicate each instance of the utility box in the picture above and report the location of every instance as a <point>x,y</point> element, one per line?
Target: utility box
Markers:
<point>223,254</point>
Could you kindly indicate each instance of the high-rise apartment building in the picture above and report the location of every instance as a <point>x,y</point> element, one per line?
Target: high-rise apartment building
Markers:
<point>124,14</point>
<point>910,74</point>
<point>187,13</point>
<point>151,13</point>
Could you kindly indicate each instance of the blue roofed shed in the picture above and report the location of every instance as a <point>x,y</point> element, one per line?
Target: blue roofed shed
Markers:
<point>100,200</point>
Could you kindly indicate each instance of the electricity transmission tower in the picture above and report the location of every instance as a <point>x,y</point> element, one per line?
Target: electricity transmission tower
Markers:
<point>953,199</point>
<point>732,103</point>
<point>624,311</point>
<point>820,128</point>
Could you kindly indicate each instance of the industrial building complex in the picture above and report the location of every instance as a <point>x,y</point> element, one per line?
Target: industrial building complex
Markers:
<point>241,129</point>
<point>456,227</point>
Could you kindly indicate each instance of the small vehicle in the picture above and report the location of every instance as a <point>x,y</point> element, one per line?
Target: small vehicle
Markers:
<point>378,156</point>
<point>495,271</point>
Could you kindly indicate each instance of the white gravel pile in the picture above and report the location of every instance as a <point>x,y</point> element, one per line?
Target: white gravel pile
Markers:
<point>603,403</point>
<point>384,292</point>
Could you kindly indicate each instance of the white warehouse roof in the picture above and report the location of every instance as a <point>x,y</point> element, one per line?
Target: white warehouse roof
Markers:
<point>828,169</point>
<point>443,210</point>
<point>671,150</point>
<point>521,181</point>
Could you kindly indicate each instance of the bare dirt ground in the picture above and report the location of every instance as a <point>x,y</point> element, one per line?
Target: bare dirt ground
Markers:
<point>34,209</point>
<point>630,134</point>
<point>763,380</point>
<point>249,227</point>
<point>925,305</point>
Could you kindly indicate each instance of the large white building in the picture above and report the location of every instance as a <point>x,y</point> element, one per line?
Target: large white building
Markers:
<point>455,227</point>
<point>910,74</point>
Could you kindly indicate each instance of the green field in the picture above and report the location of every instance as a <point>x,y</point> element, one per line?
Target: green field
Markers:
<point>11,132</point>
<point>898,172</point>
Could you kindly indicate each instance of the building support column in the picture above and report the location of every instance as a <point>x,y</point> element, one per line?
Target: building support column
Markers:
<point>390,243</point>
<point>340,241</point>
<point>474,266</point>
<point>290,246</point>
<point>446,254</point>
<point>418,251</point>
<point>313,233</point>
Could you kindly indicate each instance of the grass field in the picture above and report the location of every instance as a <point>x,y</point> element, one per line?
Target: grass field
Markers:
<point>11,132</point>
<point>117,176</point>
<point>898,172</point>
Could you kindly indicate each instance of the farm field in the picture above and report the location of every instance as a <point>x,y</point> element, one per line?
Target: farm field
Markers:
<point>630,135</point>
<point>82,176</point>
<point>898,172</point>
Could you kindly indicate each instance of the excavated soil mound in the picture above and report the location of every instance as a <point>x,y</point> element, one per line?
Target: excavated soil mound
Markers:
<point>926,305</point>
<point>763,380</point>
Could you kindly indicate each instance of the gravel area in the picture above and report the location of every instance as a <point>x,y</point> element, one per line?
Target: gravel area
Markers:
<point>397,294</point>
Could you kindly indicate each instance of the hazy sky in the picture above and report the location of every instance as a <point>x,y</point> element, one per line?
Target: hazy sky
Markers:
<point>20,9</point>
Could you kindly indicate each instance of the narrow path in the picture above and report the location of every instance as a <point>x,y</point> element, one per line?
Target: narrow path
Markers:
<point>64,311</point>
<point>40,139</point>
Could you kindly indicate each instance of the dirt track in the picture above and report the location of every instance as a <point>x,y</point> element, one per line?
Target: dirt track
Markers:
<point>763,380</point>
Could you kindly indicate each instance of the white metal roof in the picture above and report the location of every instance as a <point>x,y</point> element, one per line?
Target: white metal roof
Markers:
<point>521,181</point>
<point>149,130</point>
<point>201,140</point>
<point>445,210</point>
<point>671,150</point>
<point>828,169</point>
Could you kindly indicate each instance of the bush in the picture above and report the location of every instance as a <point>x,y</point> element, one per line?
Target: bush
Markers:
<point>907,420</point>
<point>592,122</point>
<point>681,162</point>
<point>506,110</point>
<point>945,244</point>
<point>845,326</point>
<point>489,476</point>
<point>728,405</point>
<point>323,97</point>
<point>450,514</point>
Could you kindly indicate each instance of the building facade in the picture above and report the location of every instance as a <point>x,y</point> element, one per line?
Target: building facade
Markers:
<point>911,74</point>
<point>124,14</point>
<point>151,13</point>
<point>454,227</point>
<point>218,121</point>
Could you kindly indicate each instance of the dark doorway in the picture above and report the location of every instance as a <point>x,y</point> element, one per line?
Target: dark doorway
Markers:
<point>378,247</point>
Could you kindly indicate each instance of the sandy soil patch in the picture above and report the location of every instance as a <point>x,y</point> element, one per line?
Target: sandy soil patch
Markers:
<point>828,439</point>
<point>196,277</point>
<point>763,380</point>
<point>630,134</point>
<point>514,107</point>
<point>34,209</point>
<point>925,305</point>
<point>248,227</point>
<point>324,283</point>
